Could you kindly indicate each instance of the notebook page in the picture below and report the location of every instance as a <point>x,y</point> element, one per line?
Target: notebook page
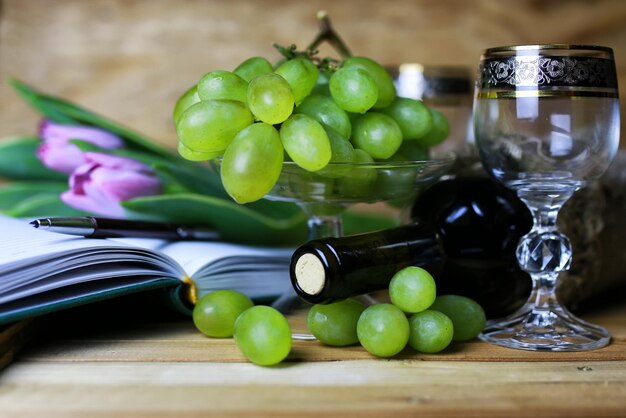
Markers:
<point>21,242</point>
<point>194,255</point>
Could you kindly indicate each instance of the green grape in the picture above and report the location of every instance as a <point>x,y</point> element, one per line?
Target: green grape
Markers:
<point>326,111</point>
<point>270,98</point>
<point>354,89</point>
<point>210,125</point>
<point>301,74</point>
<point>360,180</point>
<point>192,155</point>
<point>215,313</point>
<point>253,67</point>
<point>412,116</point>
<point>306,142</point>
<point>431,331</point>
<point>263,335</point>
<point>252,163</point>
<point>377,134</point>
<point>185,101</point>
<point>412,151</point>
<point>438,132</point>
<point>335,323</point>
<point>467,316</point>
<point>311,186</point>
<point>342,151</point>
<point>412,289</point>
<point>386,88</point>
<point>396,182</point>
<point>383,330</point>
<point>353,116</point>
<point>321,86</point>
<point>222,85</point>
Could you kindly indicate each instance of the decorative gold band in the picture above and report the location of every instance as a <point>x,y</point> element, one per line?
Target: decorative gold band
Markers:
<point>547,73</point>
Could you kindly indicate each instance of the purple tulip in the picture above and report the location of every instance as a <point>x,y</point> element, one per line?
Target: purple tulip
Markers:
<point>104,180</point>
<point>58,153</point>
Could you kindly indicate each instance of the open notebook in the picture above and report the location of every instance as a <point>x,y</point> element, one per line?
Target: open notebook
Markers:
<point>43,271</point>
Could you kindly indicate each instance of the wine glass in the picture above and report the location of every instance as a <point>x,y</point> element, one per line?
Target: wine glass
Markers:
<point>546,120</point>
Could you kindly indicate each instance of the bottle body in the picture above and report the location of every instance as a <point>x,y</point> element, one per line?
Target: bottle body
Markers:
<point>465,234</point>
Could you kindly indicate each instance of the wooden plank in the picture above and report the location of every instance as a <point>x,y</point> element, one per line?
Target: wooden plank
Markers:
<point>178,340</point>
<point>351,388</point>
<point>162,368</point>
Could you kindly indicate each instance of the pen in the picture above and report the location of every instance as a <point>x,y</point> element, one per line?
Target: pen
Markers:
<point>92,227</point>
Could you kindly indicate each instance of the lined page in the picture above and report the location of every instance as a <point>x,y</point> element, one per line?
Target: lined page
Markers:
<point>20,242</point>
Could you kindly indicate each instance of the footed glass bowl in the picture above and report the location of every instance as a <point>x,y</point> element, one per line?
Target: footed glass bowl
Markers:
<point>325,194</point>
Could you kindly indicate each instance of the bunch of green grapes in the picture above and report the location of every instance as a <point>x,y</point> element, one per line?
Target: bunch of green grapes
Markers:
<point>303,109</point>
<point>415,316</point>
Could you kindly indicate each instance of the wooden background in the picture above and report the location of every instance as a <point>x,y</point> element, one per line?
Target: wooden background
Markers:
<point>130,59</point>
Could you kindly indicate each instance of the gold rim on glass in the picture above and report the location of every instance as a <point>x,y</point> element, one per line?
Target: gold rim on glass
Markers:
<point>542,47</point>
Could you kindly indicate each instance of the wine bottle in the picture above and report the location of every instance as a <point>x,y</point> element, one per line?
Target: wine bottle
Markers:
<point>465,232</point>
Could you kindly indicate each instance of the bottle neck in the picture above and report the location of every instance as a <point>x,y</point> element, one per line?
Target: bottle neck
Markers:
<point>331,269</point>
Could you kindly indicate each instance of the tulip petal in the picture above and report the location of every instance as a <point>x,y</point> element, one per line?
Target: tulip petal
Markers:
<point>93,203</point>
<point>123,185</point>
<point>50,131</point>
<point>104,180</point>
<point>64,158</point>
<point>80,176</point>
<point>116,162</point>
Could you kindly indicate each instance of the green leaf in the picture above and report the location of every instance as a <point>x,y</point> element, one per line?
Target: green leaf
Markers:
<point>359,222</point>
<point>234,222</point>
<point>43,205</point>
<point>267,223</point>
<point>203,181</point>
<point>14,194</point>
<point>271,208</point>
<point>86,146</point>
<point>18,160</point>
<point>63,111</point>
<point>33,98</point>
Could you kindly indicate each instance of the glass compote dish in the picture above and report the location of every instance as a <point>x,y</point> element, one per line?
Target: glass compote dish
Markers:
<point>324,195</point>
<point>546,120</point>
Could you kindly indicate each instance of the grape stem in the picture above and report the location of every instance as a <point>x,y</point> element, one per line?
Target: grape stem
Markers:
<point>325,34</point>
<point>328,34</point>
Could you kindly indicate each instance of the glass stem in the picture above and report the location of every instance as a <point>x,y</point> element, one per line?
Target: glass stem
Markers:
<point>544,252</point>
<point>324,219</point>
<point>321,226</point>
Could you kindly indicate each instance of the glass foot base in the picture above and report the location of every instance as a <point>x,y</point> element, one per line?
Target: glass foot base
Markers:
<point>554,329</point>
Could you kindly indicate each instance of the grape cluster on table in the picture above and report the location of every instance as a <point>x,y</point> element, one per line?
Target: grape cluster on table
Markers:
<point>415,317</point>
<point>304,110</point>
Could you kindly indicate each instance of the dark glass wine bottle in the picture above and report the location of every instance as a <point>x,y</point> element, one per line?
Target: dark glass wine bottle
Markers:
<point>465,234</point>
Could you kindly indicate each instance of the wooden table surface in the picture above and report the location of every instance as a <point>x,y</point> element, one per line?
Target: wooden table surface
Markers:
<point>81,365</point>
